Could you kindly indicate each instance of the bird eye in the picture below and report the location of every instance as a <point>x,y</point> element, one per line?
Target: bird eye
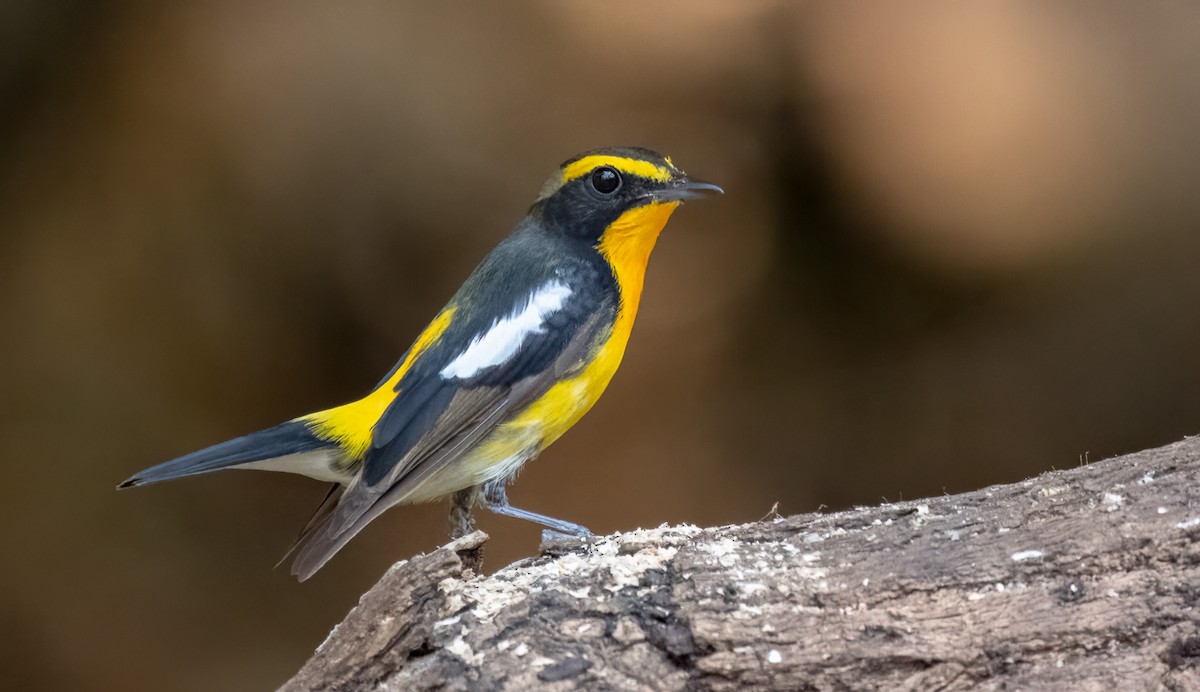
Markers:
<point>606,180</point>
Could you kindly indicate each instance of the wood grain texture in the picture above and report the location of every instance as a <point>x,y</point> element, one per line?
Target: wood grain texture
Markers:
<point>1077,579</point>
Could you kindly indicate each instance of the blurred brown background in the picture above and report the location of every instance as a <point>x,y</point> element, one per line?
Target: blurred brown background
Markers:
<point>959,247</point>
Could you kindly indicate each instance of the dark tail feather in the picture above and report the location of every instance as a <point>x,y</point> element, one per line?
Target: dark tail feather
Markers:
<point>321,546</point>
<point>334,530</point>
<point>317,520</point>
<point>288,438</point>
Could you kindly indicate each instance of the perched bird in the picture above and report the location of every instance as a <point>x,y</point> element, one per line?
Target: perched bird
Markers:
<point>516,357</point>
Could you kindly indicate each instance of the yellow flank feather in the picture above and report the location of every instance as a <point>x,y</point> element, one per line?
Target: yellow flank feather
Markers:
<point>639,167</point>
<point>627,245</point>
<point>352,425</point>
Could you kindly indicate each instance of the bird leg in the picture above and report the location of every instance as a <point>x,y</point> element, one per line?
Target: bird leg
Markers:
<point>462,514</point>
<point>462,522</point>
<point>495,498</point>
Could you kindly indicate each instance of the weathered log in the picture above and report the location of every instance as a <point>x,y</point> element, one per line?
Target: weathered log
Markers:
<point>1080,579</point>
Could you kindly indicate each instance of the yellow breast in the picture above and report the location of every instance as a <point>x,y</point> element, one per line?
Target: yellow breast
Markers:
<point>626,245</point>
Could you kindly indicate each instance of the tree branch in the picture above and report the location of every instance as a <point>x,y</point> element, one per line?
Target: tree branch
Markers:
<point>1073,579</point>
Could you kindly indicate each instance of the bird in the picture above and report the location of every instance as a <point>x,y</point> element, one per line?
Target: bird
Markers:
<point>516,357</point>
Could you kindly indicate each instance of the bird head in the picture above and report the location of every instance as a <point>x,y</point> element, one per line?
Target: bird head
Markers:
<point>592,191</point>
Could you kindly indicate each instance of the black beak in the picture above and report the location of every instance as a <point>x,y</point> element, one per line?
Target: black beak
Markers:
<point>682,189</point>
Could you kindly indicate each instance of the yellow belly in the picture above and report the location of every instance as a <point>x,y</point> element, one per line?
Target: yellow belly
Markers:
<point>546,419</point>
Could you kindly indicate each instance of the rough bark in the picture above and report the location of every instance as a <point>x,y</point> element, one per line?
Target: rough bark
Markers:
<point>1079,579</point>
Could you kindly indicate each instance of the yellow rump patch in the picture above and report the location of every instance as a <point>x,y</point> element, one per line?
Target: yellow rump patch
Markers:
<point>352,425</point>
<point>587,164</point>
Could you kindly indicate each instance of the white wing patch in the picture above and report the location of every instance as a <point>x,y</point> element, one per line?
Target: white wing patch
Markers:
<point>506,335</point>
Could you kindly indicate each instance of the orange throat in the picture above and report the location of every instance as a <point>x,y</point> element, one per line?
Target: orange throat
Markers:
<point>626,244</point>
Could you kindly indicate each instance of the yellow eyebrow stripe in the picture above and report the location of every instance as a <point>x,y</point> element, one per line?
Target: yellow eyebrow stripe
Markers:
<point>587,164</point>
